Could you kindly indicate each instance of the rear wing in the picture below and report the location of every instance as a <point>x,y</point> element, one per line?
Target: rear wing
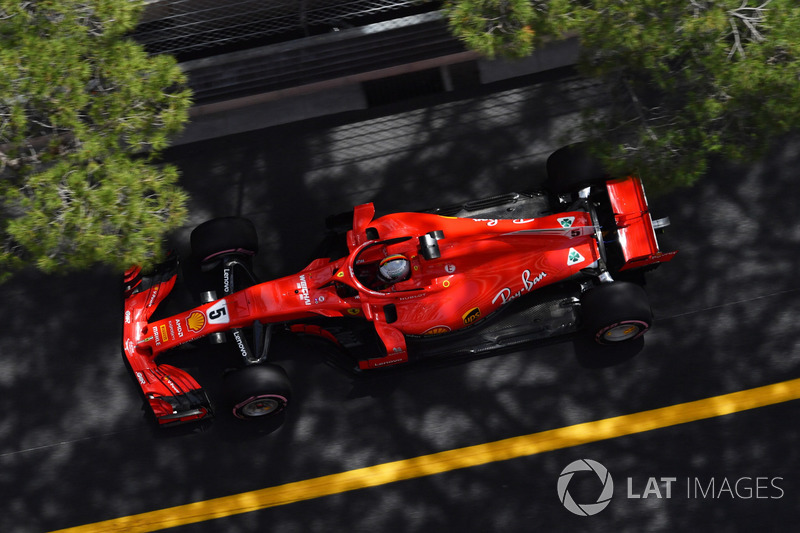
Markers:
<point>635,227</point>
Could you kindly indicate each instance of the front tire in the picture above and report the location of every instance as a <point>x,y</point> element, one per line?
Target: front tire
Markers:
<point>616,312</point>
<point>224,235</point>
<point>258,392</point>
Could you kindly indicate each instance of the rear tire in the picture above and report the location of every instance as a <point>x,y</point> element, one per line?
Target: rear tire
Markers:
<point>224,235</point>
<point>616,312</point>
<point>572,168</point>
<point>258,392</point>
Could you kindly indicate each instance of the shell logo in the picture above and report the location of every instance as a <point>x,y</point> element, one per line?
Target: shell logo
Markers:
<point>196,321</point>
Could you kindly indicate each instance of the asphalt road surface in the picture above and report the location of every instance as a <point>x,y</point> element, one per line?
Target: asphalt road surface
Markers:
<point>76,449</point>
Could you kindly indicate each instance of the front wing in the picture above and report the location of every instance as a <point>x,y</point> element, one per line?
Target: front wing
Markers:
<point>171,393</point>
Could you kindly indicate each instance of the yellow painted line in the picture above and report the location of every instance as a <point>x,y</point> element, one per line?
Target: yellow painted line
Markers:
<point>446,461</point>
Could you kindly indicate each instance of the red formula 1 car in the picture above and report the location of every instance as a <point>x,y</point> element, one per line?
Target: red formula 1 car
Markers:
<point>464,279</point>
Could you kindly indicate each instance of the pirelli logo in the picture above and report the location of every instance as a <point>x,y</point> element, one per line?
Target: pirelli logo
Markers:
<point>471,316</point>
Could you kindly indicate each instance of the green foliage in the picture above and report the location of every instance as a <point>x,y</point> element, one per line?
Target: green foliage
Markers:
<point>79,214</point>
<point>504,28</point>
<point>83,113</point>
<point>692,79</point>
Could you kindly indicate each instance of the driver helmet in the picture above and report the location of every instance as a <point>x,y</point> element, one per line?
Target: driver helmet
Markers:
<point>394,268</point>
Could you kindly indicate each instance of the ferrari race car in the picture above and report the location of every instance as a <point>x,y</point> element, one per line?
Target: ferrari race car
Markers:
<point>402,287</point>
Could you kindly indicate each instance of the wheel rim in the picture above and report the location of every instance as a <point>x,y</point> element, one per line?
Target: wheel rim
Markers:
<point>259,406</point>
<point>622,332</point>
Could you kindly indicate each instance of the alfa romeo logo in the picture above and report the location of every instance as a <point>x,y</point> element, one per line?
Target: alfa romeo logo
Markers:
<point>587,509</point>
<point>566,222</point>
<point>574,257</point>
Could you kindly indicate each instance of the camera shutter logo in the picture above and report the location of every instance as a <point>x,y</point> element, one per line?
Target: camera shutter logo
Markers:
<point>587,509</point>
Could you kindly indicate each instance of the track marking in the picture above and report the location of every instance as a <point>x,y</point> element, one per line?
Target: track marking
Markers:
<point>446,461</point>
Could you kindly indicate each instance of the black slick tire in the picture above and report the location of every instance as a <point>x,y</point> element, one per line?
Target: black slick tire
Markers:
<point>571,168</point>
<point>257,392</point>
<point>616,312</point>
<point>224,235</point>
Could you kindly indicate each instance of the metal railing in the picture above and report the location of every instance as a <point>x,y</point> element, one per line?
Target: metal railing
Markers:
<point>193,28</point>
